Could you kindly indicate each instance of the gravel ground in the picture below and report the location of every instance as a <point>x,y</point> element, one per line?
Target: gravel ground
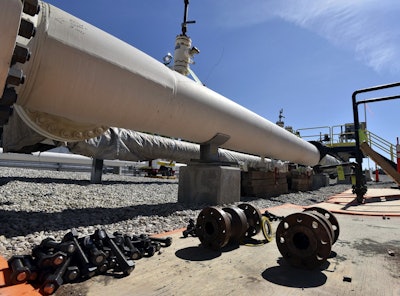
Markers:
<point>35,204</point>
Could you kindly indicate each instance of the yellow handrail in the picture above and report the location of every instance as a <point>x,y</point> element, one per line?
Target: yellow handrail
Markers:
<point>344,135</point>
<point>385,146</point>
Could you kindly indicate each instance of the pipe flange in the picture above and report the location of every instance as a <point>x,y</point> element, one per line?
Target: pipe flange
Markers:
<point>58,128</point>
<point>304,240</point>
<point>213,228</point>
<point>239,223</point>
<point>331,218</point>
<point>325,221</point>
<point>254,219</point>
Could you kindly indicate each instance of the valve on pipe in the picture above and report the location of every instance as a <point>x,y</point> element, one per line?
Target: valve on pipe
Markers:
<point>217,227</point>
<point>305,239</point>
<point>184,51</point>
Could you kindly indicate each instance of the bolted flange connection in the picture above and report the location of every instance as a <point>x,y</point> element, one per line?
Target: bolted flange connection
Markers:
<point>20,55</point>
<point>217,227</point>
<point>305,239</point>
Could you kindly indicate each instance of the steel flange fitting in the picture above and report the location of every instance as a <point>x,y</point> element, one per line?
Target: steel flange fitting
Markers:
<point>217,227</point>
<point>305,239</point>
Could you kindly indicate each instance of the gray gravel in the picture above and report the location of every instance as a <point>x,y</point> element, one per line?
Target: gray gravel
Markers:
<point>35,204</point>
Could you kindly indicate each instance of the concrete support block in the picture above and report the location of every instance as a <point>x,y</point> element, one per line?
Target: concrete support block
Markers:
<point>209,184</point>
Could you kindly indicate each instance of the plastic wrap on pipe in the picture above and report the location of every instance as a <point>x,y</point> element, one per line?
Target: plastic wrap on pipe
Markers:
<point>117,143</point>
<point>81,73</point>
<point>329,160</point>
<point>123,144</point>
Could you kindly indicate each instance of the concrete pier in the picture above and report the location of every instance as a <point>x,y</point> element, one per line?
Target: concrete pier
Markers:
<point>209,184</point>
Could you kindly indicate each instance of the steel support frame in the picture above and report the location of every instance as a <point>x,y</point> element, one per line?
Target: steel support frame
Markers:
<point>360,188</point>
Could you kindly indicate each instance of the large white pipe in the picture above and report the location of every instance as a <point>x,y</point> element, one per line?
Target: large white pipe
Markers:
<point>83,74</point>
<point>10,17</point>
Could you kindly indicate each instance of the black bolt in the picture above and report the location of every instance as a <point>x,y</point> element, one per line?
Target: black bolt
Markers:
<point>87,269</point>
<point>141,242</point>
<point>106,250</point>
<point>15,77</point>
<point>54,280</point>
<point>19,272</point>
<point>190,230</point>
<point>71,274</point>
<point>31,7</point>
<point>66,247</point>
<point>124,265</point>
<point>21,54</point>
<point>165,241</point>
<point>97,257</point>
<point>33,268</point>
<point>48,259</point>
<point>156,245</point>
<point>26,29</point>
<point>103,268</point>
<point>112,262</point>
<point>150,251</point>
<point>9,97</point>
<point>134,252</point>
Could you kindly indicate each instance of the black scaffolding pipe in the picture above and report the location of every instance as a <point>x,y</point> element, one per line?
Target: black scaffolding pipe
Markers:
<point>360,187</point>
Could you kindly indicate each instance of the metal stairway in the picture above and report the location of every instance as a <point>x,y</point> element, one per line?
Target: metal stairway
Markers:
<point>383,162</point>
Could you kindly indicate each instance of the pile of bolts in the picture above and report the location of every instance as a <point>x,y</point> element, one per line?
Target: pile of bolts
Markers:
<point>53,263</point>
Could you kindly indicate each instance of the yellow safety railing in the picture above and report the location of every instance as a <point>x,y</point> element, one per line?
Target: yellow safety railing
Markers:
<point>319,134</point>
<point>344,135</point>
<point>381,145</point>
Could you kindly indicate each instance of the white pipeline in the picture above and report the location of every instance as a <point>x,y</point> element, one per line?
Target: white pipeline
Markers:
<point>85,75</point>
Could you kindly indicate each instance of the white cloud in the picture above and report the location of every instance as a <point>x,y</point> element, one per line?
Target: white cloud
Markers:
<point>369,28</point>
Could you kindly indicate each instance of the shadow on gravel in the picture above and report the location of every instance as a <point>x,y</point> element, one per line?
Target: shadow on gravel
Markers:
<point>21,223</point>
<point>5,180</point>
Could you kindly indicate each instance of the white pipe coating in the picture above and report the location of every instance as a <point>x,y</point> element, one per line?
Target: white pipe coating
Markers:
<point>10,17</point>
<point>83,74</point>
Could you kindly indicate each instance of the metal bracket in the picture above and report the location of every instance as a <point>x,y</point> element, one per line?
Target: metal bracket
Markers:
<point>209,149</point>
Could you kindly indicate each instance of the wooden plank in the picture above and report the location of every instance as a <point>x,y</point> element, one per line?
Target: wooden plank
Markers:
<point>266,182</point>
<point>269,190</point>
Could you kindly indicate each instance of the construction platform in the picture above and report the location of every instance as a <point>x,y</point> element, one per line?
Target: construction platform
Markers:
<point>365,260</point>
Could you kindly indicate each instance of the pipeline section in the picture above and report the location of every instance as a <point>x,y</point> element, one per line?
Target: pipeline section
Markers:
<point>80,80</point>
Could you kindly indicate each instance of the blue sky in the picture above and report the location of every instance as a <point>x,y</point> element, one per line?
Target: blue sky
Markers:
<point>303,56</point>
